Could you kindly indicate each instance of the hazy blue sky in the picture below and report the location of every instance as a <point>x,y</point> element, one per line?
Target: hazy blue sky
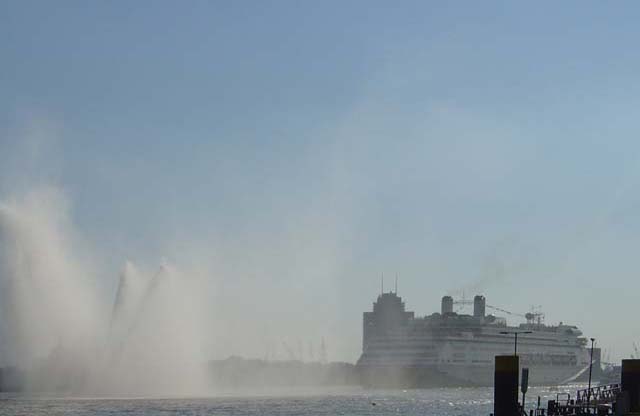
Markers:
<point>301,149</point>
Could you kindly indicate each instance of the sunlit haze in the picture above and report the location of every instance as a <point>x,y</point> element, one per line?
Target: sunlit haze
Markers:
<point>273,161</point>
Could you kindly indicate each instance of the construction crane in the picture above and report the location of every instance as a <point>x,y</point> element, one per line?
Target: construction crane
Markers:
<point>495,308</point>
<point>535,316</point>
<point>462,303</point>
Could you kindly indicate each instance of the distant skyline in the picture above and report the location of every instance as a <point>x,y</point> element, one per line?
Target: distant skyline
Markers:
<point>296,151</point>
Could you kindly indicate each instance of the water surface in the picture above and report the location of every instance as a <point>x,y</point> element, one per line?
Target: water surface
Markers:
<point>348,401</point>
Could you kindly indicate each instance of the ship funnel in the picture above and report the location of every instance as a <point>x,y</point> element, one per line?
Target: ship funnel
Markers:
<point>447,305</point>
<point>479,306</point>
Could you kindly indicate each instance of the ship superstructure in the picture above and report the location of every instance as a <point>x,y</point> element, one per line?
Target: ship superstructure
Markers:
<point>449,348</point>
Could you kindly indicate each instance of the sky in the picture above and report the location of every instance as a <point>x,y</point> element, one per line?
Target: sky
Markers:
<point>298,151</point>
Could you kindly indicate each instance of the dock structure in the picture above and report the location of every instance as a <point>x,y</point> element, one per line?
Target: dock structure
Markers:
<point>630,385</point>
<point>505,393</point>
<point>614,399</point>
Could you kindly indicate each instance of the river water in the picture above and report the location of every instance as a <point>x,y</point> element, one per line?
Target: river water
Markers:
<point>347,401</point>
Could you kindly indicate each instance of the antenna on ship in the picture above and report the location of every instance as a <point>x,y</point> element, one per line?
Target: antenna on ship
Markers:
<point>382,284</point>
<point>396,289</point>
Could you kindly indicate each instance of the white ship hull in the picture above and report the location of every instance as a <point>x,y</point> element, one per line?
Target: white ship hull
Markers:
<point>459,350</point>
<point>393,369</point>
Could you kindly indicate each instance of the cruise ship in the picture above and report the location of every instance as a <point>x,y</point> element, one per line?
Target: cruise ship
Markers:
<point>455,349</point>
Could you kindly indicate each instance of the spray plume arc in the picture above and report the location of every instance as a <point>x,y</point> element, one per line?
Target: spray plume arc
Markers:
<point>55,328</point>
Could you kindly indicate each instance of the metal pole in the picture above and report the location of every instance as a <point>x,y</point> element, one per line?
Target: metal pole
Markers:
<point>590,367</point>
<point>515,333</point>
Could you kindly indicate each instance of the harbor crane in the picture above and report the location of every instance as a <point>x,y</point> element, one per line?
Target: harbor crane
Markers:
<point>533,317</point>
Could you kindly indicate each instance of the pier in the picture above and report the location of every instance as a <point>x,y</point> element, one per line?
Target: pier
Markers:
<point>613,399</point>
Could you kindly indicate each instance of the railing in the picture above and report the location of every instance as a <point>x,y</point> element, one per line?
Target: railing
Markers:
<point>561,400</point>
<point>597,395</point>
<point>595,401</point>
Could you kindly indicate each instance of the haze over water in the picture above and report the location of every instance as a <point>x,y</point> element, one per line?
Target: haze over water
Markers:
<point>445,402</point>
<point>181,183</point>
